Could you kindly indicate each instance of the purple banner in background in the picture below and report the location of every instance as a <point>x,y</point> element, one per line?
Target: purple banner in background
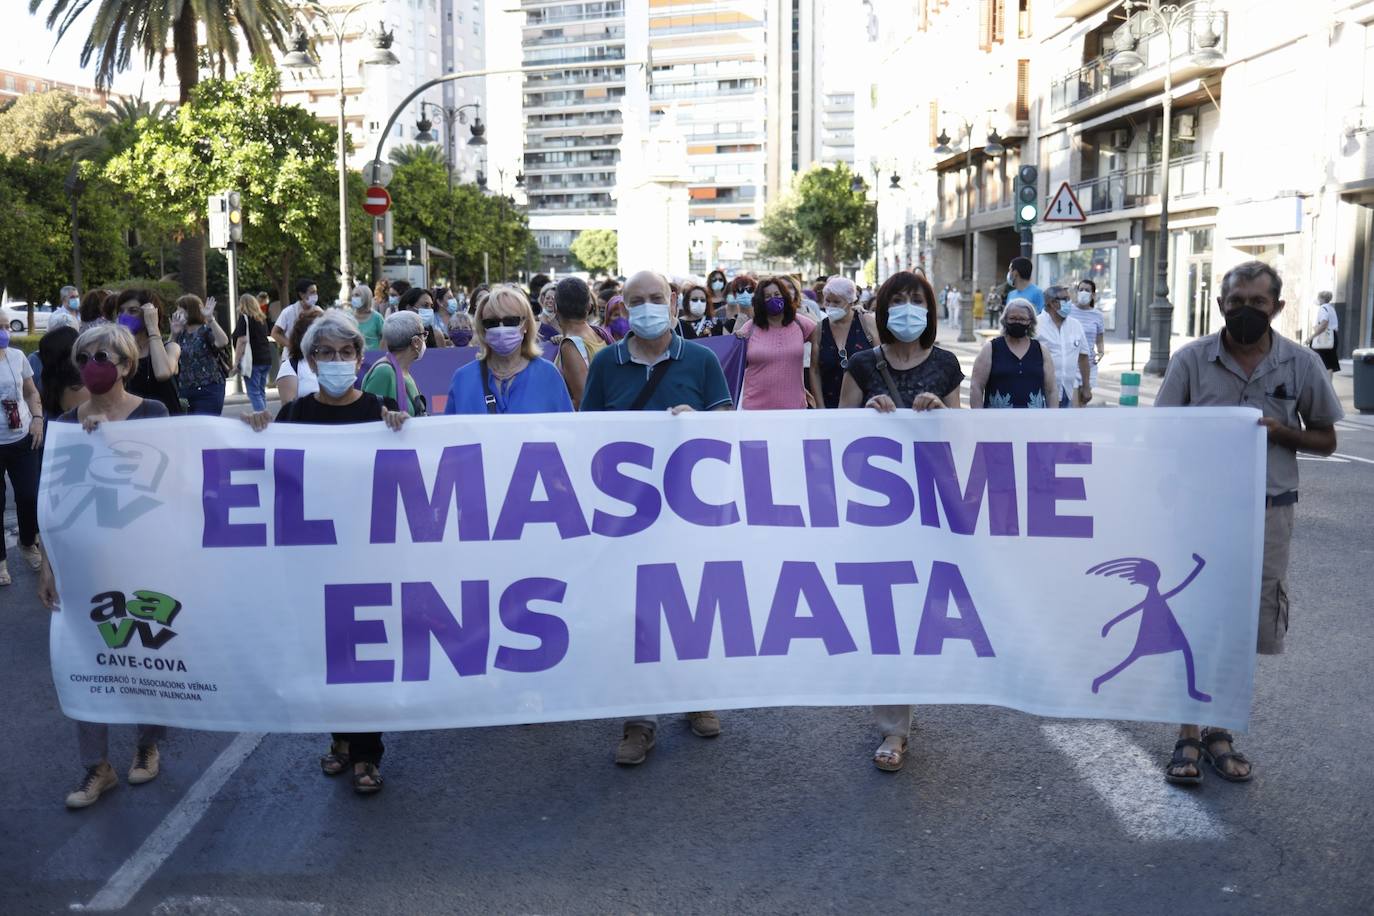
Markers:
<point>433,373</point>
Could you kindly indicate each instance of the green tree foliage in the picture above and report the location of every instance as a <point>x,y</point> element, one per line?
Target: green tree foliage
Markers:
<point>416,152</point>
<point>233,134</point>
<point>596,251</point>
<point>464,222</point>
<point>823,221</point>
<point>39,125</point>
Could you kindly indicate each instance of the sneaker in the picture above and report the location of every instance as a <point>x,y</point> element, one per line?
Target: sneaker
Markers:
<point>635,745</point>
<point>145,765</point>
<point>97,781</point>
<point>32,556</point>
<point>704,724</point>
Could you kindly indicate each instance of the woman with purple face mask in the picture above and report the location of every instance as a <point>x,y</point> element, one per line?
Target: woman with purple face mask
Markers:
<point>778,334</point>
<point>510,374</point>
<point>140,312</point>
<point>617,317</point>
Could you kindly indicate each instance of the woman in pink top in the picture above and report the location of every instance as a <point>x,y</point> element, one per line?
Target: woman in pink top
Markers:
<point>777,334</point>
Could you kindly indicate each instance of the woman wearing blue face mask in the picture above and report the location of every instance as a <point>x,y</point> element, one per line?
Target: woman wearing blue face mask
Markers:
<point>739,301</point>
<point>715,292</point>
<point>420,302</point>
<point>369,320</point>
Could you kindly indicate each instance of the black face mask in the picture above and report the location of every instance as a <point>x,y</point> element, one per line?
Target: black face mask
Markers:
<point>1017,330</point>
<point>1246,325</point>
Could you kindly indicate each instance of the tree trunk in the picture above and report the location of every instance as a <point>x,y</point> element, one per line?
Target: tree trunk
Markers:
<point>827,253</point>
<point>186,53</point>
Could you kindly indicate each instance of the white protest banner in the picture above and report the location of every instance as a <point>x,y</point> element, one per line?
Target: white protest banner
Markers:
<point>495,570</point>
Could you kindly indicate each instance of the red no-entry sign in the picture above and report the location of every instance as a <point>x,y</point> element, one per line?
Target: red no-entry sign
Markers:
<point>376,201</point>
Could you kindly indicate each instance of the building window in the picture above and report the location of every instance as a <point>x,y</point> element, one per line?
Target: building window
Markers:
<point>1023,90</point>
<point>1023,19</point>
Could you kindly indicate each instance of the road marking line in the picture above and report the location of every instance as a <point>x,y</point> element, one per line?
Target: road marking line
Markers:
<point>1131,783</point>
<point>125,883</point>
<point>1353,458</point>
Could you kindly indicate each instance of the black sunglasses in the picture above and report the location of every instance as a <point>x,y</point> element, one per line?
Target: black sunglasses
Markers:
<point>100,356</point>
<point>510,321</point>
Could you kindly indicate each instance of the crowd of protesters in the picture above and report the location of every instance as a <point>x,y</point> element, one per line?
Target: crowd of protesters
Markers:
<point>632,345</point>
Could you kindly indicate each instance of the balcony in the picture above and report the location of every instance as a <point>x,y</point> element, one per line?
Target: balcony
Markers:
<point>585,12</point>
<point>1095,87</point>
<point>1189,177</point>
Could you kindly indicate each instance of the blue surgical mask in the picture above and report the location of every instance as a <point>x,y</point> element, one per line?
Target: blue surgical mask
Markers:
<point>907,321</point>
<point>731,299</point>
<point>427,317</point>
<point>746,299</point>
<point>393,301</point>
<point>74,304</point>
<point>357,302</point>
<point>452,306</point>
<point>336,377</point>
<point>650,320</point>
<point>717,285</point>
<point>312,299</point>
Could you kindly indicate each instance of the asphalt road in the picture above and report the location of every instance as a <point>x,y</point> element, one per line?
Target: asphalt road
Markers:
<point>996,811</point>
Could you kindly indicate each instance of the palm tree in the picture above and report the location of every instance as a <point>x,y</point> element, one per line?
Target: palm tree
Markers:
<point>123,27</point>
<point>414,152</point>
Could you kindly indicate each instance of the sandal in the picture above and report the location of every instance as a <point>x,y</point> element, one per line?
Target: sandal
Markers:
<point>889,757</point>
<point>1213,736</point>
<point>370,773</point>
<point>1180,760</point>
<point>336,761</point>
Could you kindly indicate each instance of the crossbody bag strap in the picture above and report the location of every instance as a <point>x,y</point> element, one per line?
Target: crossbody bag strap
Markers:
<point>887,376</point>
<point>486,390</point>
<point>651,385</point>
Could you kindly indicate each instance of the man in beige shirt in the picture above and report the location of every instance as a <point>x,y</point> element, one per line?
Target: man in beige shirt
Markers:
<point>1248,365</point>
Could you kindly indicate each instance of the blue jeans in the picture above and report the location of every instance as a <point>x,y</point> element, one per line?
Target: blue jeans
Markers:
<point>207,400</point>
<point>257,386</point>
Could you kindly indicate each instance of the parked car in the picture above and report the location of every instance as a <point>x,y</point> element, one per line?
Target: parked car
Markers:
<point>15,316</point>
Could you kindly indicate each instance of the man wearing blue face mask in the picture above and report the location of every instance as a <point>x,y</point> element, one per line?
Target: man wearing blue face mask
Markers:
<point>655,369</point>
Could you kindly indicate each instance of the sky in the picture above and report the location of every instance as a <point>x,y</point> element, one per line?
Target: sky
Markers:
<point>29,49</point>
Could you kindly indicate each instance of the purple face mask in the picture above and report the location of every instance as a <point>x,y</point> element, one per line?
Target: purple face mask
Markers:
<point>774,304</point>
<point>505,341</point>
<point>461,338</point>
<point>619,327</point>
<point>132,323</point>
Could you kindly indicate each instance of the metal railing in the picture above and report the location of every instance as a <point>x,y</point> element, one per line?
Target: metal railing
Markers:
<point>1189,176</point>
<point>1096,77</point>
<point>581,13</point>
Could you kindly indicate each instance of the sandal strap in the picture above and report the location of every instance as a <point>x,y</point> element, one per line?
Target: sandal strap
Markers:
<point>1217,735</point>
<point>1237,756</point>
<point>1189,742</point>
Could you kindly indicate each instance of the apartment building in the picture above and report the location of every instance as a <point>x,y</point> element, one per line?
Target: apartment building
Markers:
<point>13,84</point>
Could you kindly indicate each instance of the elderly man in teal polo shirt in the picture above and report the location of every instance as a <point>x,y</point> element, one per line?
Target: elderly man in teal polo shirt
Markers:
<point>653,368</point>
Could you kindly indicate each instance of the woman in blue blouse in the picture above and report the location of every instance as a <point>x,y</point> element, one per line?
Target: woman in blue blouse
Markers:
<point>510,374</point>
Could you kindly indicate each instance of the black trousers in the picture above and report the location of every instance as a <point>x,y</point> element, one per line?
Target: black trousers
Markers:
<point>21,462</point>
<point>363,747</point>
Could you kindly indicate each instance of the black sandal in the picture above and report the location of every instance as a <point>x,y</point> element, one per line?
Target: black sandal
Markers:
<point>369,772</point>
<point>336,761</point>
<point>1181,759</point>
<point>1218,761</point>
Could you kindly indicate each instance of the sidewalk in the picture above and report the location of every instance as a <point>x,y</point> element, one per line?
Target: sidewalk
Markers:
<point>1118,360</point>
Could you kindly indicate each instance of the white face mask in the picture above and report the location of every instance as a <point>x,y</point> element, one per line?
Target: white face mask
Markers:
<point>1085,298</point>
<point>835,314</point>
<point>696,307</point>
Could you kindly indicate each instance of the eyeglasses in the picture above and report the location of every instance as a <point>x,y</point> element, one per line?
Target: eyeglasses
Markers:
<point>330,355</point>
<point>510,321</point>
<point>100,356</point>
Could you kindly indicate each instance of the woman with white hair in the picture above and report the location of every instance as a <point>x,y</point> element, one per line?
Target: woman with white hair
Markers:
<point>844,332</point>
<point>333,347</point>
<point>107,357</point>
<point>403,336</point>
<point>510,374</point>
<point>1013,370</point>
<point>369,320</point>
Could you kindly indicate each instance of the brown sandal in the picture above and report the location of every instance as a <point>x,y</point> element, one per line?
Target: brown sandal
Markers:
<point>336,761</point>
<point>369,773</point>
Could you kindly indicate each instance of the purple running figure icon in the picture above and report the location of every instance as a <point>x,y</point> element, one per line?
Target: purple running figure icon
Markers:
<point>1159,630</point>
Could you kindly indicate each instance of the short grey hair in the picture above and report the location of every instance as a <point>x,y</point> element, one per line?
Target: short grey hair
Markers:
<point>364,294</point>
<point>1324,296</point>
<point>65,293</point>
<point>842,287</point>
<point>1022,301</point>
<point>112,338</point>
<point>400,329</point>
<point>334,325</point>
<point>1252,270</point>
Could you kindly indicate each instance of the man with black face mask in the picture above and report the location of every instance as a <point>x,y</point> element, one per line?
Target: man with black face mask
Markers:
<point>1248,365</point>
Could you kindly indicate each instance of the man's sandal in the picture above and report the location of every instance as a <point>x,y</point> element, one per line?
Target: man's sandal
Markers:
<point>1218,761</point>
<point>889,756</point>
<point>369,773</point>
<point>1180,760</point>
<point>336,761</point>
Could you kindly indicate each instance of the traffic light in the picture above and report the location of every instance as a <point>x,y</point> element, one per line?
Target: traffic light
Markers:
<point>234,213</point>
<point>1026,194</point>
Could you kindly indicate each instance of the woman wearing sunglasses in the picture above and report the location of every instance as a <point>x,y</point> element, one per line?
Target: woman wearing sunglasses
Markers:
<point>107,357</point>
<point>510,374</point>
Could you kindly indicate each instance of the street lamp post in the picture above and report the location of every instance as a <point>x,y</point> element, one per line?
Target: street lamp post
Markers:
<point>451,117</point>
<point>993,147</point>
<point>1144,18</point>
<point>299,58</point>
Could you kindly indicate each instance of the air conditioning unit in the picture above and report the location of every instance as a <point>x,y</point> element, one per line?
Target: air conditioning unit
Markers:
<point>1186,128</point>
<point>1117,139</point>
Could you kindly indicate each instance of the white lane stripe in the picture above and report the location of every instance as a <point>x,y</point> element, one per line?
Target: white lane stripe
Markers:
<point>1131,784</point>
<point>1353,458</point>
<point>125,883</point>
